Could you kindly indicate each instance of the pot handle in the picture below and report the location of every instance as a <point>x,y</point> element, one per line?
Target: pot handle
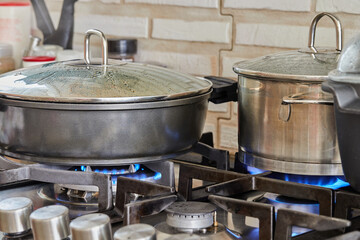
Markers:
<point>312,30</point>
<point>302,98</point>
<point>308,98</point>
<point>104,52</point>
<point>224,90</point>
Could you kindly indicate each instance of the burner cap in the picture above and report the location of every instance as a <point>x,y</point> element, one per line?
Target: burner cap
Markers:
<point>190,215</point>
<point>138,231</point>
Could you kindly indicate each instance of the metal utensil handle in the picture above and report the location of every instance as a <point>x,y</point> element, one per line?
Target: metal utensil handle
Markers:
<point>87,46</point>
<point>313,29</point>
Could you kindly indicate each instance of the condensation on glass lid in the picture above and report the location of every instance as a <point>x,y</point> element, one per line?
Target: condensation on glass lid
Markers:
<point>73,81</point>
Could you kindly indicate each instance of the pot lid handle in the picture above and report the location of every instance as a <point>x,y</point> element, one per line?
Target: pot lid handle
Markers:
<point>104,49</point>
<point>338,28</point>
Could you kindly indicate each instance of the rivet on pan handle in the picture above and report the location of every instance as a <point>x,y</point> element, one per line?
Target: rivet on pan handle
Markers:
<point>87,46</point>
<point>313,29</point>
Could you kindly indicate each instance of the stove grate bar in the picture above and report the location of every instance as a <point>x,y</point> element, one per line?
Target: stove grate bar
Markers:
<point>127,186</point>
<point>188,172</point>
<point>287,218</point>
<point>264,212</point>
<point>102,181</point>
<point>355,235</point>
<point>296,190</point>
<point>345,201</point>
<point>134,211</point>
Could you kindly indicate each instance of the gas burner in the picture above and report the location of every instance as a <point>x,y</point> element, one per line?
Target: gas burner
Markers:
<point>190,216</point>
<point>193,218</point>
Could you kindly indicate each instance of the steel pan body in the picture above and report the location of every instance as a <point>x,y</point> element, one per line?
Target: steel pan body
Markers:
<point>100,134</point>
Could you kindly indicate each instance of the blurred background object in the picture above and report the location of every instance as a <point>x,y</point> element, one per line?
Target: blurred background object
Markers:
<point>15,26</point>
<point>7,62</point>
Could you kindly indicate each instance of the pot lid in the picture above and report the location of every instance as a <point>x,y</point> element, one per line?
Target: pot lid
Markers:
<point>113,81</point>
<point>310,64</point>
<point>348,68</point>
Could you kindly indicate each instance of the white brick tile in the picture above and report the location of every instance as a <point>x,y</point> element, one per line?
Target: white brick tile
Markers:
<point>202,31</point>
<point>283,5</point>
<point>209,127</point>
<point>235,107</point>
<point>347,6</point>
<point>185,3</point>
<point>110,1</point>
<point>287,36</point>
<point>227,66</point>
<point>223,107</point>
<point>184,62</point>
<point>113,25</point>
<point>228,136</point>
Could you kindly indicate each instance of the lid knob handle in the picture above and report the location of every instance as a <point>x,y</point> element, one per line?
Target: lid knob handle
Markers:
<point>87,46</point>
<point>313,29</point>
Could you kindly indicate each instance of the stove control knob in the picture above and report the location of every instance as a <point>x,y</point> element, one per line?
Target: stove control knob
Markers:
<point>50,223</point>
<point>14,215</point>
<point>138,231</point>
<point>93,226</point>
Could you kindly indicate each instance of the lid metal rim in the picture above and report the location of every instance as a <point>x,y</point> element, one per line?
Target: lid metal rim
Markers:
<point>111,100</point>
<point>279,76</point>
<point>104,106</point>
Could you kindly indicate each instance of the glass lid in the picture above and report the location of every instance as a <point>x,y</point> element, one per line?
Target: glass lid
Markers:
<point>310,64</point>
<point>80,81</point>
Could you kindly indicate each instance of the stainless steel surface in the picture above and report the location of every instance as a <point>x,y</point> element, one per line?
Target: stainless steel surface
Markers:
<point>190,215</point>
<point>288,137</point>
<point>138,231</point>
<point>338,29</point>
<point>91,227</point>
<point>100,134</point>
<point>104,52</point>
<point>50,223</point>
<point>14,215</point>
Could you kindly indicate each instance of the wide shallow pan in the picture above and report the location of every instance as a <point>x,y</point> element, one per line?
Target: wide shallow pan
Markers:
<point>80,112</point>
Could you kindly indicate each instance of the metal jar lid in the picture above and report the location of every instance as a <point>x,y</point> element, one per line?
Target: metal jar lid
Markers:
<point>348,68</point>
<point>311,64</point>
<point>84,81</point>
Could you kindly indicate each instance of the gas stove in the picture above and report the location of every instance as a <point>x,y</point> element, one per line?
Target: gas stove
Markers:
<point>183,198</point>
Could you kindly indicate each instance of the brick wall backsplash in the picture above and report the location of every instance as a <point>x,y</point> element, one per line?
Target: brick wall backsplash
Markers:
<point>283,5</point>
<point>206,37</point>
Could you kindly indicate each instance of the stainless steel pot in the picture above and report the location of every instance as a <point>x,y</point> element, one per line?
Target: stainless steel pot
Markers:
<point>100,114</point>
<point>286,123</point>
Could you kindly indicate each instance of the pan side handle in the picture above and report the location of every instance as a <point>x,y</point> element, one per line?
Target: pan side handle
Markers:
<point>224,90</point>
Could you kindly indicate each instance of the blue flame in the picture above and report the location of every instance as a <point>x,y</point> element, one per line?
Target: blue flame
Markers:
<point>332,182</point>
<point>157,176</point>
<point>137,167</point>
<point>235,235</point>
<point>140,172</point>
<point>254,170</point>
